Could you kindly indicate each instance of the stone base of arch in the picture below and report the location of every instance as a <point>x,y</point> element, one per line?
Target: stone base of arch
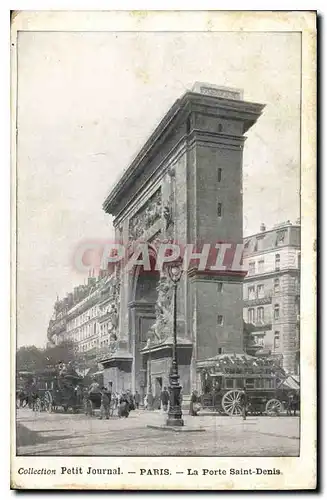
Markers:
<point>117,372</point>
<point>158,361</point>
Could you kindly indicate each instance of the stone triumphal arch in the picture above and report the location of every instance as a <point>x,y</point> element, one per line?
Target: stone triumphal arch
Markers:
<point>185,186</point>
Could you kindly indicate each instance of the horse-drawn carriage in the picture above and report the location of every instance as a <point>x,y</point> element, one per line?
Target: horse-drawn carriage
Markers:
<point>63,391</point>
<point>224,377</point>
<point>24,380</point>
<point>51,390</point>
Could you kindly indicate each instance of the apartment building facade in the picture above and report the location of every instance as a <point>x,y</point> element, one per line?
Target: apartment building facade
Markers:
<point>271,292</point>
<point>86,317</point>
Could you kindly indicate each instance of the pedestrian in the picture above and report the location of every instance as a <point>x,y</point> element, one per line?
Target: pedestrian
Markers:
<point>105,403</point>
<point>137,399</point>
<point>34,394</point>
<point>123,408</point>
<point>244,402</point>
<point>130,400</point>
<point>115,400</point>
<point>296,403</point>
<point>150,401</point>
<point>145,402</point>
<point>78,394</point>
<point>216,395</point>
<point>94,387</point>
<point>194,404</point>
<point>164,397</point>
<point>93,394</point>
<point>291,404</point>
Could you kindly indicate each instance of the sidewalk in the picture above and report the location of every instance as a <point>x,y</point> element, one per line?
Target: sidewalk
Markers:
<point>281,426</point>
<point>68,434</point>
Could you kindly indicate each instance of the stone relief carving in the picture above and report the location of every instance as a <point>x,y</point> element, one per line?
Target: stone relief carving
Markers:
<point>146,217</point>
<point>113,313</point>
<point>113,346</point>
<point>163,325</point>
<point>113,318</point>
<point>168,208</point>
<point>167,213</point>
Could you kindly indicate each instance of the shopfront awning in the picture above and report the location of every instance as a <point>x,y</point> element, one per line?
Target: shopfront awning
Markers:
<point>290,383</point>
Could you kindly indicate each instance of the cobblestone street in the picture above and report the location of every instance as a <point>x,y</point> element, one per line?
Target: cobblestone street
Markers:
<point>73,435</point>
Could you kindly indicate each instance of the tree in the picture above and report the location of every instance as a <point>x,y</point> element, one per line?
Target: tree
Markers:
<point>65,352</point>
<point>31,358</point>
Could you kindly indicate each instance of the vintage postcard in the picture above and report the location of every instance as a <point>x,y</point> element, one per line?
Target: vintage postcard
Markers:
<point>163,250</point>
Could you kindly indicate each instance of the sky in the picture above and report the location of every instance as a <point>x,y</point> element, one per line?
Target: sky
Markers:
<point>87,102</point>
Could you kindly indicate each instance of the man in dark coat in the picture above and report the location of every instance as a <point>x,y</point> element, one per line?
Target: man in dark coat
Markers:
<point>164,397</point>
<point>123,408</point>
<point>137,399</point>
<point>105,403</point>
<point>291,404</point>
<point>244,403</point>
<point>34,394</point>
<point>194,406</point>
<point>78,394</point>
<point>130,400</point>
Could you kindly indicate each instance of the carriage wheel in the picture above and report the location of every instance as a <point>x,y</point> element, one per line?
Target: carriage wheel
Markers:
<point>231,403</point>
<point>273,407</point>
<point>48,402</point>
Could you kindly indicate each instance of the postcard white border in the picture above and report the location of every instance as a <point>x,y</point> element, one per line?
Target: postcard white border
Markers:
<point>297,472</point>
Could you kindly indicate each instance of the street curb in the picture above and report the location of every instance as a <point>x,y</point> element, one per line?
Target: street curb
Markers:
<point>176,429</point>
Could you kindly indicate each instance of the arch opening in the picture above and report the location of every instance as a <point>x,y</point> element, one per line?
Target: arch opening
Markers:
<point>142,316</point>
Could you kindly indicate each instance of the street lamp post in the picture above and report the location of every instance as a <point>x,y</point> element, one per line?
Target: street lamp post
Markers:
<point>175,410</point>
<point>149,392</point>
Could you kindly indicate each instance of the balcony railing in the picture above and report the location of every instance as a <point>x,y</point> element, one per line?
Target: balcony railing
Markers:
<point>259,325</point>
<point>258,301</point>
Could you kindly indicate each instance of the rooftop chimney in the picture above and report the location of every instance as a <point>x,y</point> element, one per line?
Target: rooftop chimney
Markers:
<point>262,227</point>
